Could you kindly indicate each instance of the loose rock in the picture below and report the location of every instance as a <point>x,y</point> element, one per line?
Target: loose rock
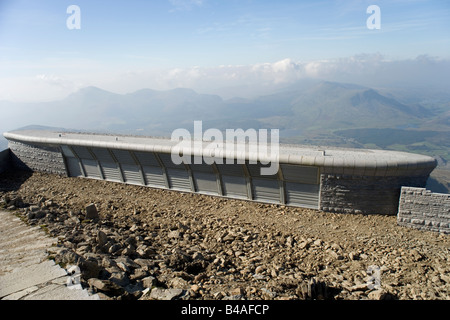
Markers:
<point>91,212</point>
<point>185,246</point>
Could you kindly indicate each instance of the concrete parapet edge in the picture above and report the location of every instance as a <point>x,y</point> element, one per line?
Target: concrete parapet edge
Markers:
<point>376,163</point>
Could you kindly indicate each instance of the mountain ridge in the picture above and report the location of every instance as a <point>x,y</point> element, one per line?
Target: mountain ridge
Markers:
<point>300,107</point>
<point>315,112</point>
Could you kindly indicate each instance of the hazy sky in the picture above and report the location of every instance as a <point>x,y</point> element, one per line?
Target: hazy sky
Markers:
<point>124,46</point>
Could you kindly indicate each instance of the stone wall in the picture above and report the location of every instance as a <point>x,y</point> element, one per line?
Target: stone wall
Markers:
<point>5,160</point>
<point>421,209</point>
<point>37,158</point>
<point>364,194</point>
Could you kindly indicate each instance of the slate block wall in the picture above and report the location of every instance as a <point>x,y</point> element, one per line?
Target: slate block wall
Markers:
<point>37,158</point>
<point>421,209</point>
<point>364,194</point>
<point>5,160</point>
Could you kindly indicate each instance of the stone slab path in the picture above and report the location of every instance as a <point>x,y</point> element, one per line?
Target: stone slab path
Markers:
<point>26,273</point>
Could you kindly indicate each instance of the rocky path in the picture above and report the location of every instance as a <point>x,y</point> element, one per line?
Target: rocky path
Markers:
<point>133,242</point>
<point>26,273</point>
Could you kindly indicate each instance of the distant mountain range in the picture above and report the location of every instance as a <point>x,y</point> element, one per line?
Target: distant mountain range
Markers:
<point>317,106</point>
<point>307,108</point>
<point>312,112</point>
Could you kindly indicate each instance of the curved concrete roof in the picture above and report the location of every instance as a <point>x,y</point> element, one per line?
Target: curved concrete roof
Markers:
<point>333,160</point>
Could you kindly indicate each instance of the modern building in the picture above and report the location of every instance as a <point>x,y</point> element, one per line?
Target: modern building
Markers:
<point>328,179</point>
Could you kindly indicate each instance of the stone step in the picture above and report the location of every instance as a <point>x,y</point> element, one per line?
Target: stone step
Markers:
<point>26,273</point>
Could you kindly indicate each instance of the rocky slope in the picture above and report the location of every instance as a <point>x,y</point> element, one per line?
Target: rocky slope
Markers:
<point>133,242</point>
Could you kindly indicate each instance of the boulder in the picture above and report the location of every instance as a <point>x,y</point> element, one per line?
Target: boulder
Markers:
<point>91,212</point>
<point>89,268</point>
<point>149,282</point>
<point>106,286</point>
<point>120,278</point>
<point>166,294</point>
<point>102,238</point>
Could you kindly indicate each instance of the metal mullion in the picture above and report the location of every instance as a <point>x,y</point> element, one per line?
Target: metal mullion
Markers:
<point>141,170</point>
<point>164,169</point>
<point>122,176</point>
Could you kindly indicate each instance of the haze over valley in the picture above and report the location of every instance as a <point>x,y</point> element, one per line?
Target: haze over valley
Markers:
<point>307,112</point>
<point>331,73</point>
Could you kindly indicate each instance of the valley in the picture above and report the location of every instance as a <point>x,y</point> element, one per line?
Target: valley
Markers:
<point>310,112</point>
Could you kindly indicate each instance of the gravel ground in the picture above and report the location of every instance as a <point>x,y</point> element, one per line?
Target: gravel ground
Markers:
<point>158,244</point>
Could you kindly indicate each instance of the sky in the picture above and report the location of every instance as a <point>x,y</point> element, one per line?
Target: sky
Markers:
<point>209,45</point>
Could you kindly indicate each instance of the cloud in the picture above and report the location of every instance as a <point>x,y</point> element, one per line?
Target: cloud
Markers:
<point>372,70</point>
<point>42,87</point>
<point>258,79</point>
<point>378,71</point>
<point>54,80</point>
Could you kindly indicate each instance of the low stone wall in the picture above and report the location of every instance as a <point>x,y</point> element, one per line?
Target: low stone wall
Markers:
<point>37,158</point>
<point>5,160</point>
<point>421,209</point>
<point>364,194</point>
